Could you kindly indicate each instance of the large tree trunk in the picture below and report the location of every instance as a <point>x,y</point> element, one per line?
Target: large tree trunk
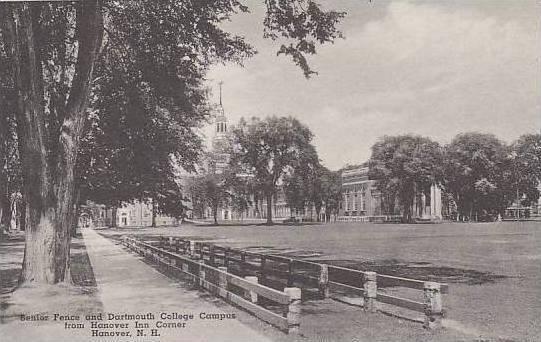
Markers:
<point>269,208</point>
<point>48,174</point>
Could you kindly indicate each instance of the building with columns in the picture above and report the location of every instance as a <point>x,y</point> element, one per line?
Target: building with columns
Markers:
<point>359,197</point>
<point>362,201</point>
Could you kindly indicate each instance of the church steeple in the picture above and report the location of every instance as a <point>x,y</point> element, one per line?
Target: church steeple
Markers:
<point>221,120</point>
<point>220,84</point>
<point>220,141</point>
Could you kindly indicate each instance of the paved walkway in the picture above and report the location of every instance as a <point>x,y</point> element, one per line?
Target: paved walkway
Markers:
<point>127,285</point>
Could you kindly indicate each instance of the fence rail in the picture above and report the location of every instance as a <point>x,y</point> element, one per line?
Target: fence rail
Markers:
<point>276,271</point>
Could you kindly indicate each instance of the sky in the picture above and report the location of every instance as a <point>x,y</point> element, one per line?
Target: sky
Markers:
<point>432,68</point>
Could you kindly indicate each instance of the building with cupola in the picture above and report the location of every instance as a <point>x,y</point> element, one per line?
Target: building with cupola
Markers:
<point>217,161</point>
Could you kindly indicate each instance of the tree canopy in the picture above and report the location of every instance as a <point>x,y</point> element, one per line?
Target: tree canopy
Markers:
<point>479,173</point>
<point>476,171</point>
<point>270,148</point>
<point>526,164</point>
<point>405,165</point>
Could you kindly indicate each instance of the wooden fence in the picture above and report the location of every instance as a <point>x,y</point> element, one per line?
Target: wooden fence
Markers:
<point>243,292</point>
<point>321,280</point>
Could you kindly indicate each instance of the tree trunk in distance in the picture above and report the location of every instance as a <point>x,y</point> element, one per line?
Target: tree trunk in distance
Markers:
<point>269,208</point>
<point>153,214</point>
<point>215,214</point>
<point>113,216</point>
<point>21,215</point>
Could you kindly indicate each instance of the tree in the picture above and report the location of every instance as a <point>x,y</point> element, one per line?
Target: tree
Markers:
<point>268,149</point>
<point>331,192</point>
<point>404,166</point>
<point>133,156</point>
<point>296,191</point>
<point>241,191</point>
<point>164,47</point>
<point>526,167</point>
<point>10,171</point>
<point>302,186</point>
<point>478,173</point>
<point>49,134</point>
<point>215,192</point>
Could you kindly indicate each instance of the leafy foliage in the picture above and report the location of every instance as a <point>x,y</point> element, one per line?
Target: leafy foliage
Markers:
<point>301,184</point>
<point>330,191</point>
<point>269,149</point>
<point>478,173</point>
<point>526,152</point>
<point>213,191</point>
<point>149,94</point>
<point>304,22</point>
<point>405,165</point>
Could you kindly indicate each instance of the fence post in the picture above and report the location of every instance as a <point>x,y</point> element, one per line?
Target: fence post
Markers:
<point>222,282</point>
<point>251,294</point>
<point>211,255</point>
<point>226,256</point>
<point>324,281</point>
<point>162,242</point>
<point>186,269</point>
<point>147,252</point>
<point>370,291</point>
<point>289,273</point>
<point>243,260</point>
<point>262,268</point>
<point>433,305</point>
<point>192,249</point>
<point>294,308</point>
<point>201,274</point>
<point>170,243</point>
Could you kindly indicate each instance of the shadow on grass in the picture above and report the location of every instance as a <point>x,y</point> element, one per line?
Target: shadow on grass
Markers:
<point>82,273</point>
<point>12,251</point>
<point>11,254</point>
<point>421,271</point>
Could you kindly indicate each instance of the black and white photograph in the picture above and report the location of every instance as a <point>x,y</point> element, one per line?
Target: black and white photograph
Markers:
<point>270,170</point>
